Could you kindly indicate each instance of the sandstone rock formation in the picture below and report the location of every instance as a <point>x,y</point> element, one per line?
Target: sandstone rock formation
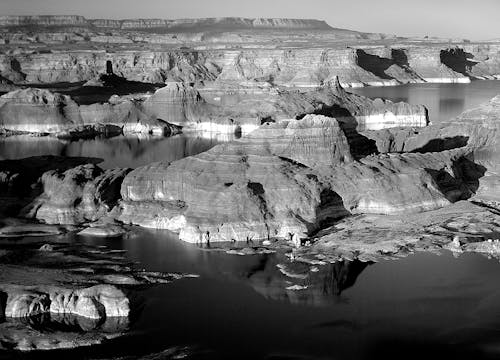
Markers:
<point>235,191</point>
<point>182,104</point>
<point>179,104</point>
<point>97,302</point>
<point>476,131</point>
<point>288,178</point>
<point>65,294</point>
<point>20,179</point>
<point>81,194</point>
<point>42,111</point>
<point>303,67</point>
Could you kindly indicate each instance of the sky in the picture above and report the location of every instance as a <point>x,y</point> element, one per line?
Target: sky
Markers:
<point>475,20</point>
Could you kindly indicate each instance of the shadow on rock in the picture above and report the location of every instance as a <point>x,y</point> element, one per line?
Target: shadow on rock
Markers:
<point>437,145</point>
<point>461,181</point>
<point>359,144</point>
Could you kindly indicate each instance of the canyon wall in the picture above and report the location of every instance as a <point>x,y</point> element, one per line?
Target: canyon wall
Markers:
<point>296,67</point>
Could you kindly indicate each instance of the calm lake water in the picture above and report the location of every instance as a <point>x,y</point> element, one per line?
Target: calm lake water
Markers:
<point>444,101</point>
<point>118,151</point>
<point>422,307</point>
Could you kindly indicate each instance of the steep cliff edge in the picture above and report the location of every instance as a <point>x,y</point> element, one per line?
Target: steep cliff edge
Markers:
<point>287,179</point>
<point>296,67</point>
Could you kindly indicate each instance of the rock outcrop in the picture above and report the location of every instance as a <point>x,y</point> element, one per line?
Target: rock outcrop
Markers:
<point>257,187</point>
<point>20,179</point>
<point>42,111</point>
<point>34,110</point>
<point>97,302</point>
<point>288,178</point>
<point>182,105</point>
<point>209,65</point>
<point>406,183</point>
<point>476,132</point>
<point>81,194</point>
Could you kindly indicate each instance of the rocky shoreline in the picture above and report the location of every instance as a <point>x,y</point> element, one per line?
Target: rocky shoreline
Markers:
<point>330,180</point>
<point>242,190</point>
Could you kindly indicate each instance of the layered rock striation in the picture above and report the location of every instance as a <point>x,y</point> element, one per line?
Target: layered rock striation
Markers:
<point>179,24</point>
<point>78,195</point>
<point>97,302</point>
<point>296,66</point>
<point>288,179</point>
<point>237,191</point>
<point>182,105</point>
<point>44,112</point>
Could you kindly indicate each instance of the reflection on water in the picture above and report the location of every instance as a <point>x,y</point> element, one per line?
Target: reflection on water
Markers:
<point>51,322</point>
<point>320,287</point>
<point>240,306</point>
<point>118,151</point>
<point>444,101</point>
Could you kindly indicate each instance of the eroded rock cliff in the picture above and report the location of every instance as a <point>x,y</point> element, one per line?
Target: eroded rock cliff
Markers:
<point>305,67</point>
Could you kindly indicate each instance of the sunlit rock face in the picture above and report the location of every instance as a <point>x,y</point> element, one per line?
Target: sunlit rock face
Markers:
<point>206,65</point>
<point>290,177</point>
<point>182,104</point>
<point>35,110</point>
<point>476,132</point>
<point>176,103</point>
<point>256,187</point>
<point>42,111</point>
<point>406,183</point>
<point>53,317</point>
<point>481,126</point>
<point>77,195</point>
<point>97,302</point>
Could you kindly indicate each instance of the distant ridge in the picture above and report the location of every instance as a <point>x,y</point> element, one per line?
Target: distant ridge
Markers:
<point>202,24</point>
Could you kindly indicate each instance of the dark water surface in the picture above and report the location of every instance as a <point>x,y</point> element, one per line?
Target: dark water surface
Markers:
<point>118,151</point>
<point>423,306</point>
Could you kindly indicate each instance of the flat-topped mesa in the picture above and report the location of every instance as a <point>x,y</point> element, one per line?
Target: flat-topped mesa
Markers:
<point>42,20</point>
<point>224,23</point>
<point>201,24</point>
<point>260,186</point>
